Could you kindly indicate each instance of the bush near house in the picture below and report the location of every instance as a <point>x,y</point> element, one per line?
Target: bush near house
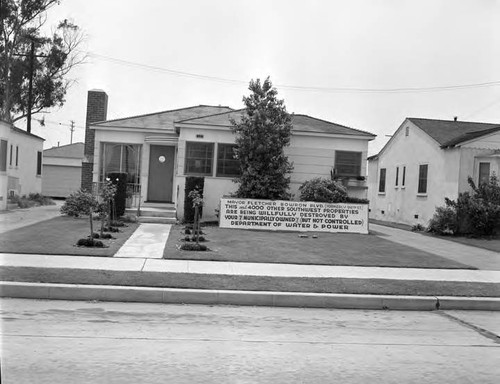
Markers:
<point>476,214</point>
<point>32,200</point>
<point>324,190</point>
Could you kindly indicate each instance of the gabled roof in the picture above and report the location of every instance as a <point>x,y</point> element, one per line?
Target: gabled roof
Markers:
<point>162,120</point>
<point>70,150</point>
<point>450,132</point>
<point>300,123</point>
<point>23,132</point>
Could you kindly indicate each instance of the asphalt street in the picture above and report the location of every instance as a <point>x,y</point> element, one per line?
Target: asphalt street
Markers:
<point>97,342</point>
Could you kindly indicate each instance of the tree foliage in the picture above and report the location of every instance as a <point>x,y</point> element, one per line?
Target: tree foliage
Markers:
<point>22,23</point>
<point>261,137</point>
<point>323,191</point>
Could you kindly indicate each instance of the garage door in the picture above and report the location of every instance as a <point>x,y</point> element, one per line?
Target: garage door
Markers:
<point>60,181</point>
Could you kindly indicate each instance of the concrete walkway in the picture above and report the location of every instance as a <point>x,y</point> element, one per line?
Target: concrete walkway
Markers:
<point>473,256</point>
<point>148,241</point>
<point>18,218</point>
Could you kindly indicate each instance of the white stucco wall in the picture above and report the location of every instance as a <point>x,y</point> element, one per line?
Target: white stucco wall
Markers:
<point>401,204</point>
<point>313,156</point>
<point>24,173</point>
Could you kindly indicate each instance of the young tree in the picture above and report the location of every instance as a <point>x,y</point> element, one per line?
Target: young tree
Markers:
<point>261,137</point>
<point>28,56</point>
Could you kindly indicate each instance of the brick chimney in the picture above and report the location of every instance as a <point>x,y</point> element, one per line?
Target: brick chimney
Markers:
<point>97,109</point>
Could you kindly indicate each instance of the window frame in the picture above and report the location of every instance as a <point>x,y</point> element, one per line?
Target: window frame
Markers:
<point>17,155</point>
<point>403,177</point>
<point>39,163</point>
<point>220,161</point>
<point>210,159</point>
<point>4,146</point>
<point>479,180</point>
<point>132,177</point>
<point>421,187</point>
<point>397,177</point>
<point>10,154</point>
<point>382,180</point>
<point>358,166</point>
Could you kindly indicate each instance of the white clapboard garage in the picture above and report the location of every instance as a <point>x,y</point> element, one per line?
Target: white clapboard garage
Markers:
<point>62,170</point>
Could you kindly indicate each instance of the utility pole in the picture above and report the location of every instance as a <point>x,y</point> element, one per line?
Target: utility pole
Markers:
<point>72,129</point>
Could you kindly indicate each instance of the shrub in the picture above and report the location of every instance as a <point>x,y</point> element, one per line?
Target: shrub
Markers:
<point>193,247</point>
<point>78,204</point>
<point>477,213</point>
<point>444,221</point>
<point>356,200</point>
<point>90,243</point>
<point>41,199</point>
<point>323,191</point>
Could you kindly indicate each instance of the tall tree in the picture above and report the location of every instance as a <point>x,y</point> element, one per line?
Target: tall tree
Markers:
<point>26,54</point>
<point>261,137</point>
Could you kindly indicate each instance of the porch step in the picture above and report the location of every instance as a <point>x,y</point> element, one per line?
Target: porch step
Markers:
<point>162,213</point>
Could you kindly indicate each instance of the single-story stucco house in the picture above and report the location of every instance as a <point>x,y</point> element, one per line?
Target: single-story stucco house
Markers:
<point>427,160</point>
<point>20,162</point>
<point>159,150</point>
<point>62,170</point>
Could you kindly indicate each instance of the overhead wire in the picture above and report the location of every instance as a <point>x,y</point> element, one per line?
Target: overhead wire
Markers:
<point>299,87</point>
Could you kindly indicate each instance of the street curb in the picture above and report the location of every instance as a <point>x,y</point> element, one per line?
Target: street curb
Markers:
<point>50,291</point>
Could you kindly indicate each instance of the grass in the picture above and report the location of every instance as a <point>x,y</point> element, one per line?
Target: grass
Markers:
<point>287,247</point>
<point>491,244</point>
<point>58,236</point>
<point>251,283</point>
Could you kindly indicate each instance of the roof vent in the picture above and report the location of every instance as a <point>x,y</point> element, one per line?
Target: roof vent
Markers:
<point>455,118</point>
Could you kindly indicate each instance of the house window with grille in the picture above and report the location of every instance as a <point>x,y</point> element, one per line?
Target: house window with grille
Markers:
<point>347,163</point>
<point>484,173</point>
<point>381,181</point>
<point>422,178</point>
<point>227,165</point>
<point>199,158</point>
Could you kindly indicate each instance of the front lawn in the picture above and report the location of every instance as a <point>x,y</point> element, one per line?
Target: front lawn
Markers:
<point>287,247</point>
<point>58,236</point>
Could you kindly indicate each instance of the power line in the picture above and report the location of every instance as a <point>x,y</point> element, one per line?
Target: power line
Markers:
<point>298,87</point>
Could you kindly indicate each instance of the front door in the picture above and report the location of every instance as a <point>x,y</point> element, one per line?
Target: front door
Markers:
<point>161,173</point>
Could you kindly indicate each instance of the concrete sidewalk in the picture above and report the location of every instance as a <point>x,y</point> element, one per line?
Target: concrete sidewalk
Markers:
<point>245,269</point>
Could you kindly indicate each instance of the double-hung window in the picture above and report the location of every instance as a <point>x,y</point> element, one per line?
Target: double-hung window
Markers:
<point>422,178</point>
<point>227,165</point>
<point>381,180</point>
<point>39,163</point>
<point>199,158</point>
<point>3,155</point>
<point>484,173</point>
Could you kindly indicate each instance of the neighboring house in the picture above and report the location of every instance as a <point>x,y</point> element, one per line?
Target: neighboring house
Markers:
<point>159,150</point>
<point>20,162</point>
<point>62,170</point>
<point>424,162</point>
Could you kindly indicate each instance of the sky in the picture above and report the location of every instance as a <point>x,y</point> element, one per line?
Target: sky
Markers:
<point>366,64</point>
